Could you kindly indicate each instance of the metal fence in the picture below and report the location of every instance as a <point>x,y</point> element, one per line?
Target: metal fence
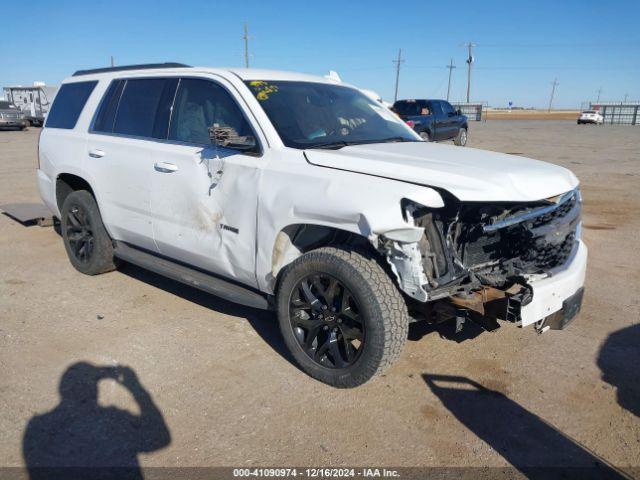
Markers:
<point>474,111</point>
<point>617,113</point>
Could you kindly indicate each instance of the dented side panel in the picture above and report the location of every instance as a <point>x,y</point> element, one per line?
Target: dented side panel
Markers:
<point>294,192</point>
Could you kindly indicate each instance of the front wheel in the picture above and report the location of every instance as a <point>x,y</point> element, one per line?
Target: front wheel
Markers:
<point>425,136</point>
<point>341,316</point>
<point>461,138</point>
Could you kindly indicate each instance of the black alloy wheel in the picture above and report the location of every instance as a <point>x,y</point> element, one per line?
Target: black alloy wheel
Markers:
<point>79,234</point>
<point>326,321</point>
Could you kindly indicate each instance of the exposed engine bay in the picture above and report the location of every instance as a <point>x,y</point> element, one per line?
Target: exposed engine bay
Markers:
<point>480,257</point>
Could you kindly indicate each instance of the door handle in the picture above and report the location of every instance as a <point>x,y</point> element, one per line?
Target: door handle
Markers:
<point>95,153</point>
<point>165,167</point>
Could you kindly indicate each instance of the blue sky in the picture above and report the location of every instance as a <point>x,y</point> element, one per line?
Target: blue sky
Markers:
<point>521,46</point>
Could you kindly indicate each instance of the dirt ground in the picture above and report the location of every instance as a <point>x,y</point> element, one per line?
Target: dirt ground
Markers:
<point>217,388</point>
<point>532,115</point>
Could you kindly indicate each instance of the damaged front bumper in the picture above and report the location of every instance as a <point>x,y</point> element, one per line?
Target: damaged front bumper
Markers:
<point>526,267</point>
<point>551,293</point>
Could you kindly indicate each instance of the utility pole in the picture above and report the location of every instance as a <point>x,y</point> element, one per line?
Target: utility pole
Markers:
<point>451,66</point>
<point>397,62</point>
<point>246,45</point>
<point>553,91</point>
<point>626,96</point>
<point>469,46</point>
<point>599,93</point>
<point>112,62</point>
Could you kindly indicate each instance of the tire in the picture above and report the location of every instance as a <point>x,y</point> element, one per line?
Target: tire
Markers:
<point>461,137</point>
<point>370,295</point>
<point>425,136</point>
<point>86,241</point>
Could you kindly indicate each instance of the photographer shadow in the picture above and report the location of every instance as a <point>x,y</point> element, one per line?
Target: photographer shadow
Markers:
<point>618,360</point>
<point>532,446</point>
<point>81,439</point>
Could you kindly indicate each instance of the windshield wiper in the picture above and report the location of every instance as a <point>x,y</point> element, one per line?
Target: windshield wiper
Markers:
<point>331,145</point>
<point>396,139</point>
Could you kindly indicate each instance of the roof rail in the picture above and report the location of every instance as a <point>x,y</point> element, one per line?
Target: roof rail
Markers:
<point>145,66</point>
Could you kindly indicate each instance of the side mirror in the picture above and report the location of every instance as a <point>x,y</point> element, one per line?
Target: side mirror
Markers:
<point>227,137</point>
<point>458,112</point>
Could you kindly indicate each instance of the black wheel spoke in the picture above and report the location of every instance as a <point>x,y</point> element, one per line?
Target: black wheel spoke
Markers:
<point>326,320</point>
<point>79,234</point>
<point>338,361</point>
<point>312,300</point>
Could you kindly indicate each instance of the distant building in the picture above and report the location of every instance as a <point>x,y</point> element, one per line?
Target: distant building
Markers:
<point>34,101</point>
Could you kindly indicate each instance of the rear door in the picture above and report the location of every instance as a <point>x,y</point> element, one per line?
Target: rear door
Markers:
<point>123,144</point>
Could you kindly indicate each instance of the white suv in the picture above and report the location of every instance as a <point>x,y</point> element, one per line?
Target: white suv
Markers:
<point>297,193</point>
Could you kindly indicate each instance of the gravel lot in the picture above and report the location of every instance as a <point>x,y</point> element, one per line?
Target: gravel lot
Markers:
<point>229,395</point>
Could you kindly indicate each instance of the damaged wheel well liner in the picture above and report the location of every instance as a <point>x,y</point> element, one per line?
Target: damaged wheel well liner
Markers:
<point>297,239</point>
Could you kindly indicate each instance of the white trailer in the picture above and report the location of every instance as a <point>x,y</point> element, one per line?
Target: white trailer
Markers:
<point>34,102</point>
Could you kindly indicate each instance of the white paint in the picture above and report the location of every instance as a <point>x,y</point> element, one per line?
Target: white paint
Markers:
<point>358,189</point>
<point>550,292</point>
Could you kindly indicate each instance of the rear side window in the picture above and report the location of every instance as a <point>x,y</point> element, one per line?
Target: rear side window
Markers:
<point>109,107</point>
<point>68,104</point>
<point>145,107</point>
<point>409,107</point>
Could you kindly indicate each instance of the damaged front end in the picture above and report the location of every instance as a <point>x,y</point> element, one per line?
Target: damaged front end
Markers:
<point>479,258</point>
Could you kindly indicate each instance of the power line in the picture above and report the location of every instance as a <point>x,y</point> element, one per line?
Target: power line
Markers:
<point>246,45</point>
<point>451,66</point>
<point>397,62</point>
<point>469,46</point>
<point>553,91</point>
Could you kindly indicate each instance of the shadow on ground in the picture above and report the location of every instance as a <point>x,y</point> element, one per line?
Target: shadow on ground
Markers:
<point>81,439</point>
<point>619,361</point>
<point>263,322</point>
<point>531,445</point>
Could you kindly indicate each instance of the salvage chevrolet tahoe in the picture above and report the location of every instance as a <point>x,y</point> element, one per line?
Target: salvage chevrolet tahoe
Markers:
<point>300,194</point>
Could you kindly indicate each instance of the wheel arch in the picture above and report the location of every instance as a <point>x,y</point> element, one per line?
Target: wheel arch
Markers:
<point>296,239</point>
<point>67,183</point>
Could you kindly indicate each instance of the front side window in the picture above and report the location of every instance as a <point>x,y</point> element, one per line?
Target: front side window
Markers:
<point>447,108</point>
<point>319,115</point>
<point>68,104</point>
<point>201,104</point>
<point>145,107</point>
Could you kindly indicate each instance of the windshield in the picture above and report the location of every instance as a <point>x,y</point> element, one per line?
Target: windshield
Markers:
<point>6,105</point>
<point>318,115</point>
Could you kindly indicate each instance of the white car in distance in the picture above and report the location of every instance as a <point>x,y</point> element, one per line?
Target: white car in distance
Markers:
<point>591,116</point>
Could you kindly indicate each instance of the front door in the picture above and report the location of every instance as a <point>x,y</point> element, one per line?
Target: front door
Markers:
<point>204,198</point>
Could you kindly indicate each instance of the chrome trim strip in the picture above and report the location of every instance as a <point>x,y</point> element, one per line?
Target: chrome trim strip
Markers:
<point>529,215</point>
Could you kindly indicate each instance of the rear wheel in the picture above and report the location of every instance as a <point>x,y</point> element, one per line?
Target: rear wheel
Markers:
<point>85,239</point>
<point>461,138</point>
<point>341,316</point>
<point>425,136</point>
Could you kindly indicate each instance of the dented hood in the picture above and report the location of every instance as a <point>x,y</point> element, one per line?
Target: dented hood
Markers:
<point>470,174</point>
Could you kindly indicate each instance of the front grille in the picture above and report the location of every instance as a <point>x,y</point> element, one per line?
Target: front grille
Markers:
<point>536,245</point>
